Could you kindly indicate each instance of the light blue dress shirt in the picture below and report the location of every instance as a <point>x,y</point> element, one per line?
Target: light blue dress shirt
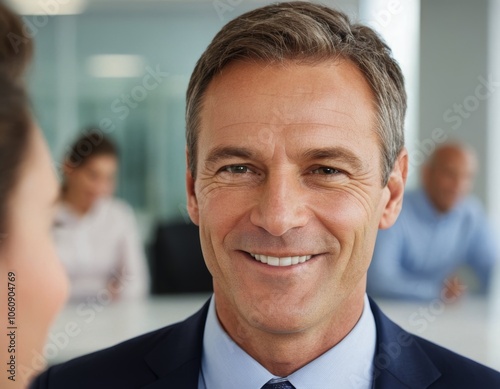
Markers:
<point>424,247</point>
<point>347,365</point>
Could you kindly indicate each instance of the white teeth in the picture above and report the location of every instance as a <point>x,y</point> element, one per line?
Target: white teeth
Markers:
<point>287,261</point>
<point>273,261</point>
<point>284,261</point>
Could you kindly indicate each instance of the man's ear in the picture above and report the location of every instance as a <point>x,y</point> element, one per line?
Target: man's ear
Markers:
<point>396,188</point>
<point>192,201</point>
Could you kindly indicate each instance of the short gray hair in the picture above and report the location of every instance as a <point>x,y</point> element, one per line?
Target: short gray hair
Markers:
<point>307,32</point>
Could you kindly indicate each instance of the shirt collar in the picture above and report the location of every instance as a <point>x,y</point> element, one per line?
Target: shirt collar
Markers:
<point>349,364</point>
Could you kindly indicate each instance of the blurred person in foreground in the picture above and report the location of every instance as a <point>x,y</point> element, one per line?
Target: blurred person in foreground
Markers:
<point>296,158</point>
<point>96,234</point>
<point>440,229</point>
<point>16,49</point>
<point>33,287</point>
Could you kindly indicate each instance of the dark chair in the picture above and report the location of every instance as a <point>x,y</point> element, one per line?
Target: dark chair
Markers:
<point>177,264</point>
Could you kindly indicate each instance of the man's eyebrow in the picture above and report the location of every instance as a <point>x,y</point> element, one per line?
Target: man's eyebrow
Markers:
<point>224,152</point>
<point>336,153</point>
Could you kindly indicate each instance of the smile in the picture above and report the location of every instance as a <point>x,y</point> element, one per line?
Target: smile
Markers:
<point>282,261</point>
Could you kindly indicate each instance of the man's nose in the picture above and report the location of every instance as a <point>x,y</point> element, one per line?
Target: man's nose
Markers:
<point>281,205</point>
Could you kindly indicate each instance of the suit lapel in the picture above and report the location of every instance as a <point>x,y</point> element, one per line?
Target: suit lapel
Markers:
<point>399,360</point>
<point>400,363</point>
<point>177,358</point>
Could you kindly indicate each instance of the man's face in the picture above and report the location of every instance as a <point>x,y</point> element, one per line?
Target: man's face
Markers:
<point>289,167</point>
<point>448,177</point>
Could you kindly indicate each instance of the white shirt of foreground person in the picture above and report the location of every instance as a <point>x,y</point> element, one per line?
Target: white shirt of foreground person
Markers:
<point>348,365</point>
<point>101,246</point>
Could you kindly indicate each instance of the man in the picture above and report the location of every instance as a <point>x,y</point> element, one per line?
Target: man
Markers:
<point>440,229</point>
<point>295,159</point>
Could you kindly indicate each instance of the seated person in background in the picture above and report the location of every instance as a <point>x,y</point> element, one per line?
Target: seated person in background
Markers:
<point>33,287</point>
<point>440,228</point>
<point>96,235</point>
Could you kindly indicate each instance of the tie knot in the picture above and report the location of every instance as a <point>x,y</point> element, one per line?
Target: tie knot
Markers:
<point>278,384</point>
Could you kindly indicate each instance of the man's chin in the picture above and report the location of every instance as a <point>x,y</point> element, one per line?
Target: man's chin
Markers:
<point>280,324</point>
<point>284,315</point>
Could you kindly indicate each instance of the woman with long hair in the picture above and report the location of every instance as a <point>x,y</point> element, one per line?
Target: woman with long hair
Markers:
<point>33,287</point>
<point>96,234</point>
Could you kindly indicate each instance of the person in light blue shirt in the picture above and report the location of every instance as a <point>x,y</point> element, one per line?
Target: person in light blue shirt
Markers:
<point>441,228</point>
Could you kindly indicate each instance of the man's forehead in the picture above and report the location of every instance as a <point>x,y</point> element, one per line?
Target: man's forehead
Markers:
<point>253,93</point>
<point>250,71</point>
<point>452,155</point>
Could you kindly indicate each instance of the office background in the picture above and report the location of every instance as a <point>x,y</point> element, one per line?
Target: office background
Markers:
<point>91,64</point>
<point>124,65</point>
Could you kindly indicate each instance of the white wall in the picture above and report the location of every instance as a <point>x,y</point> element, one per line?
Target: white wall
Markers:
<point>493,157</point>
<point>454,54</point>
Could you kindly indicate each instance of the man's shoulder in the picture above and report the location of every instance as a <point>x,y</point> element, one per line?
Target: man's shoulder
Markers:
<point>113,362</point>
<point>132,363</point>
<point>457,369</point>
<point>472,207</point>
<point>410,359</point>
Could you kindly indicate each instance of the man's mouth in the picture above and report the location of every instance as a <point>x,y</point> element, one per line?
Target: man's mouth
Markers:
<point>281,261</point>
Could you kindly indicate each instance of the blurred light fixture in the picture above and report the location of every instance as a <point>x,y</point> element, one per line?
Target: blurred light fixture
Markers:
<point>116,66</point>
<point>48,7</point>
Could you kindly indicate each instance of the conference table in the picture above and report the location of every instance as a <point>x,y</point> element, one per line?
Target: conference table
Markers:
<point>470,326</point>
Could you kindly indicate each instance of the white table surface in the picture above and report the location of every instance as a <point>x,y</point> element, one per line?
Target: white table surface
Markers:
<point>470,327</point>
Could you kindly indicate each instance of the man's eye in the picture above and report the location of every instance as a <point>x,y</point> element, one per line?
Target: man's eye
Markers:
<point>326,171</point>
<point>236,169</point>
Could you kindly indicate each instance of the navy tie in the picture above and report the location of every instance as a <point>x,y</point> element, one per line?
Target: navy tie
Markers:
<point>278,385</point>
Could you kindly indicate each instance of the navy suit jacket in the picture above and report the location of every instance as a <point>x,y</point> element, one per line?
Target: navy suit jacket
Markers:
<point>171,358</point>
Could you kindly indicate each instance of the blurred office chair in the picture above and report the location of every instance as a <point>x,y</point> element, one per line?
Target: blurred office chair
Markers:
<point>177,264</point>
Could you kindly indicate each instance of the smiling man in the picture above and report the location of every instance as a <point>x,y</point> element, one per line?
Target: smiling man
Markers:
<point>296,158</point>
<point>288,221</point>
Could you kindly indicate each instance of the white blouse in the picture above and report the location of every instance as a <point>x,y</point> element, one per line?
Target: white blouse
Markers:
<point>101,247</point>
